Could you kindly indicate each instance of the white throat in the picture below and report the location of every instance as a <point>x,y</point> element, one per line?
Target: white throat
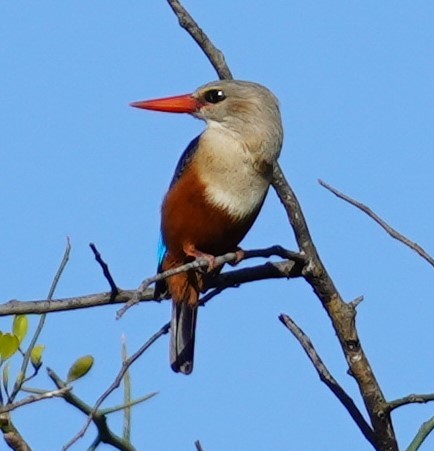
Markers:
<point>227,169</point>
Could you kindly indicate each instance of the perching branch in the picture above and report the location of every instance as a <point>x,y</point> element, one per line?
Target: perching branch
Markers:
<point>270,270</point>
<point>202,263</point>
<point>390,230</point>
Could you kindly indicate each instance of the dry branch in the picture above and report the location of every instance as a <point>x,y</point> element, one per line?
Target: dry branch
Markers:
<point>289,268</point>
<point>410,399</point>
<point>214,55</point>
<point>328,379</point>
<point>390,230</point>
<point>34,398</point>
<point>92,412</point>
<point>11,435</point>
<point>105,270</point>
<point>342,315</point>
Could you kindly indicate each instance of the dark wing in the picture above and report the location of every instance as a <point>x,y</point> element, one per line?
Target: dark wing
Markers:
<point>161,286</point>
<point>185,160</point>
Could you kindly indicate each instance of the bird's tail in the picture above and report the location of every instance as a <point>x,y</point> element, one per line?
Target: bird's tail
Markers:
<point>184,289</point>
<point>182,337</point>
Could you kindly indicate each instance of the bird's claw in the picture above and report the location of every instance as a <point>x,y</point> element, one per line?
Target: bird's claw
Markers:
<point>191,251</point>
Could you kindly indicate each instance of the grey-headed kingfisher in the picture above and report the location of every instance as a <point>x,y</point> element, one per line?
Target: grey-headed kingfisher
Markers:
<point>216,193</point>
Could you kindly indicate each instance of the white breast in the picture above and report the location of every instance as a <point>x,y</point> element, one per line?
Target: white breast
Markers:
<point>226,168</point>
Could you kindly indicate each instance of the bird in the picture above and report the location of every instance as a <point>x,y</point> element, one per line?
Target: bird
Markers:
<point>217,190</point>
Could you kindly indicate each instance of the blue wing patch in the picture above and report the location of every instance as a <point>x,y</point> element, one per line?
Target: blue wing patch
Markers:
<point>161,251</point>
<point>161,285</point>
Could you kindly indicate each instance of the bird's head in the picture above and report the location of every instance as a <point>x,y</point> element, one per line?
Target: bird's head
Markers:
<point>246,109</point>
<point>231,103</point>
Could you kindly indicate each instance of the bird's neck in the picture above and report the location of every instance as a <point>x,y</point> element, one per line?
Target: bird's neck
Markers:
<point>258,141</point>
<point>234,177</point>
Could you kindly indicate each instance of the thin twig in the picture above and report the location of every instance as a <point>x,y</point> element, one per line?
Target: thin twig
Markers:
<point>34,398</point>
<point>410,399</point>
<point>132,403</point>
<point>198,446</point>
<point>127,393</point>
<point>19,382</point>
<point>125,365</point>
<point>390,230</point>
<point>202,263</point>
<point>105,435</point>
<point>326,377</point>
<point>196,264</point>
<point>214,55</point>
<point>105,270</point>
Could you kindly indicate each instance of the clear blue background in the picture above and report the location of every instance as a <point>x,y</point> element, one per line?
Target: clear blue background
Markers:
<point>356,86</point>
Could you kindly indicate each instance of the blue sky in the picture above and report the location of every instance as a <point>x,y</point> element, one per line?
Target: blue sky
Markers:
<point>355,82</point>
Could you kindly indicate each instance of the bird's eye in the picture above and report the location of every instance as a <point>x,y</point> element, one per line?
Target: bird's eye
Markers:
<point>214,96</point>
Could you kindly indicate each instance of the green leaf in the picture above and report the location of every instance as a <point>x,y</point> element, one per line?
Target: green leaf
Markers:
<point>36,356</point>
<point>8,345</point>
<point>79,368</point>
<point>19,327</point>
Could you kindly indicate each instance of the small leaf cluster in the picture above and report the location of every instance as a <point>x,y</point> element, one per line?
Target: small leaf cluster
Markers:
<point>11,344</point>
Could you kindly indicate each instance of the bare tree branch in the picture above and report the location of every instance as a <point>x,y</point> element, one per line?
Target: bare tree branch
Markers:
<point>215,56</point>
<point>410,399</point>
<point>270,270</point>
<point>34,398</point>
<point>93,411</point>
<point>342,316</point>
<point>390,230</point>
<point>202,263</point>
<point>105,270</point>
<point>326,377</point>
<point>105,435</point>
<point>11,435</point>
<point>20,380</point>
<point>126,426</point>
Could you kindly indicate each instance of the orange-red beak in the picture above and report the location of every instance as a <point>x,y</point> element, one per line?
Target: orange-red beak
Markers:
<point>177,104</point>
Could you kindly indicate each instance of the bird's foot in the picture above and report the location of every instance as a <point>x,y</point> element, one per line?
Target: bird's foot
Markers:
<point>239,255</point>
<point>191,251</point>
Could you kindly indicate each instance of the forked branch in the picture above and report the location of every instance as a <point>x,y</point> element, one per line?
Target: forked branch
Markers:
<point>342,315</point>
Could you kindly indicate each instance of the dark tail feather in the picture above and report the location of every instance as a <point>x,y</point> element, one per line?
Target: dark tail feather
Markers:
<point>184,289</point>
<point>182,334</point>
